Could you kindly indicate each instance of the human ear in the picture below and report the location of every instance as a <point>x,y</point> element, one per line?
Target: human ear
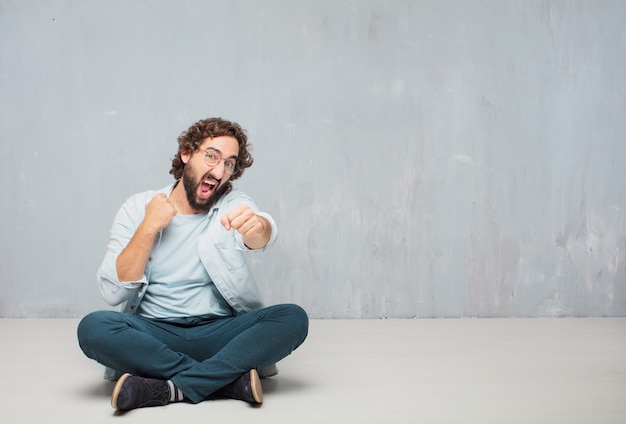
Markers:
<point>185,155</point>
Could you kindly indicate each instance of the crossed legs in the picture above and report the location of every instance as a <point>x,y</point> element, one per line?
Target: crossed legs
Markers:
<point>200,356</point>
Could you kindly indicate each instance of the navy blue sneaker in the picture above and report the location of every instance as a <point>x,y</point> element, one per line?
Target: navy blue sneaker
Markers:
<point>132,392</point>
<point>247,388</point>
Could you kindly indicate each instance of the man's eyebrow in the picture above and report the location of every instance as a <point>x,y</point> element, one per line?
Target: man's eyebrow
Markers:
<point>221,154</point>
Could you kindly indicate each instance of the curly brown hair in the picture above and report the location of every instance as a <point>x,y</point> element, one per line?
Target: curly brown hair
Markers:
<point>190,141</point>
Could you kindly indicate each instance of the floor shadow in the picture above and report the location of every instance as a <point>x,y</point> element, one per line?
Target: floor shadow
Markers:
<point>281,384</point>
<point>99,389</point>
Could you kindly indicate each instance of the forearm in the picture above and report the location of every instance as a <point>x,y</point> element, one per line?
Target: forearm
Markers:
<point>131,262</point>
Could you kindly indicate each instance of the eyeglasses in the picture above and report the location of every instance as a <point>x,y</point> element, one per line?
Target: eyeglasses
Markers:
<point>213,158</point>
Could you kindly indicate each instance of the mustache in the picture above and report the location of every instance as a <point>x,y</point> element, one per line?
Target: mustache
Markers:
<point>210,176</point>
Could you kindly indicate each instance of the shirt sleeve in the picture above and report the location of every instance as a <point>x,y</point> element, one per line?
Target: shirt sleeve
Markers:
<point>124,227</point>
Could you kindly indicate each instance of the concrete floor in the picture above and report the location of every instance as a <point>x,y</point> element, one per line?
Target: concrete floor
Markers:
<point>357,371</point>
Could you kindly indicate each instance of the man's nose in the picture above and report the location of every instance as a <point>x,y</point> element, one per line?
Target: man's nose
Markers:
<point>219,169</point>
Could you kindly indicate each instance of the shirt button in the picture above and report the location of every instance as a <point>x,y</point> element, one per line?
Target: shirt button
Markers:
<point>150,259</point>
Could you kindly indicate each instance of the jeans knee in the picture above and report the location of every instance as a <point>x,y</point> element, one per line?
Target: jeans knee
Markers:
<point>298,319</point>
<point>89,328</point>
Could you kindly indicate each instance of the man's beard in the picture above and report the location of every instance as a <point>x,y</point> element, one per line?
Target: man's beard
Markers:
<point>191,188</point>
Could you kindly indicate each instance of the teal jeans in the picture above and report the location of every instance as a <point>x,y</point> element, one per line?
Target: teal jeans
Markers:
<point>199,355</point>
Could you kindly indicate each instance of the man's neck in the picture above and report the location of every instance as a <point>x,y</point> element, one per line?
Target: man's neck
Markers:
<point>179,198</point>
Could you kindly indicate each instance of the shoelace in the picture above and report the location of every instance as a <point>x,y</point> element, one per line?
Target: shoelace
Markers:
<point>160,392</point>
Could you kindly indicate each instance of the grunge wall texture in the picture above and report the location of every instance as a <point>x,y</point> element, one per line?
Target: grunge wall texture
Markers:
<point>422,158</point>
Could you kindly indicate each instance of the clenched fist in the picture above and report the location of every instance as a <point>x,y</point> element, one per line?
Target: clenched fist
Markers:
<point>255,229</point>
<point>159,212</point>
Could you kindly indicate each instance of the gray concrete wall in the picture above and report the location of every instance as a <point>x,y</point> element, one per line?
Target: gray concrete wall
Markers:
<point>423,159</point>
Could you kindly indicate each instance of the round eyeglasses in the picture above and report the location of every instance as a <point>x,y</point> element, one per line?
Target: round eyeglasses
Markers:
<point>213,158</point>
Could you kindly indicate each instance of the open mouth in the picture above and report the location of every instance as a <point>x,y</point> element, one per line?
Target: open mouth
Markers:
<point>207,188</point>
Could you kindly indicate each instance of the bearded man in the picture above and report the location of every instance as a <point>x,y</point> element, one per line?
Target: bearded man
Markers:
<point>192,325</point>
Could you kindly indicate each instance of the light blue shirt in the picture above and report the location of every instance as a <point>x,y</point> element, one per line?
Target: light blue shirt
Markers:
<point>179,285</point>
<point>221,253</point>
